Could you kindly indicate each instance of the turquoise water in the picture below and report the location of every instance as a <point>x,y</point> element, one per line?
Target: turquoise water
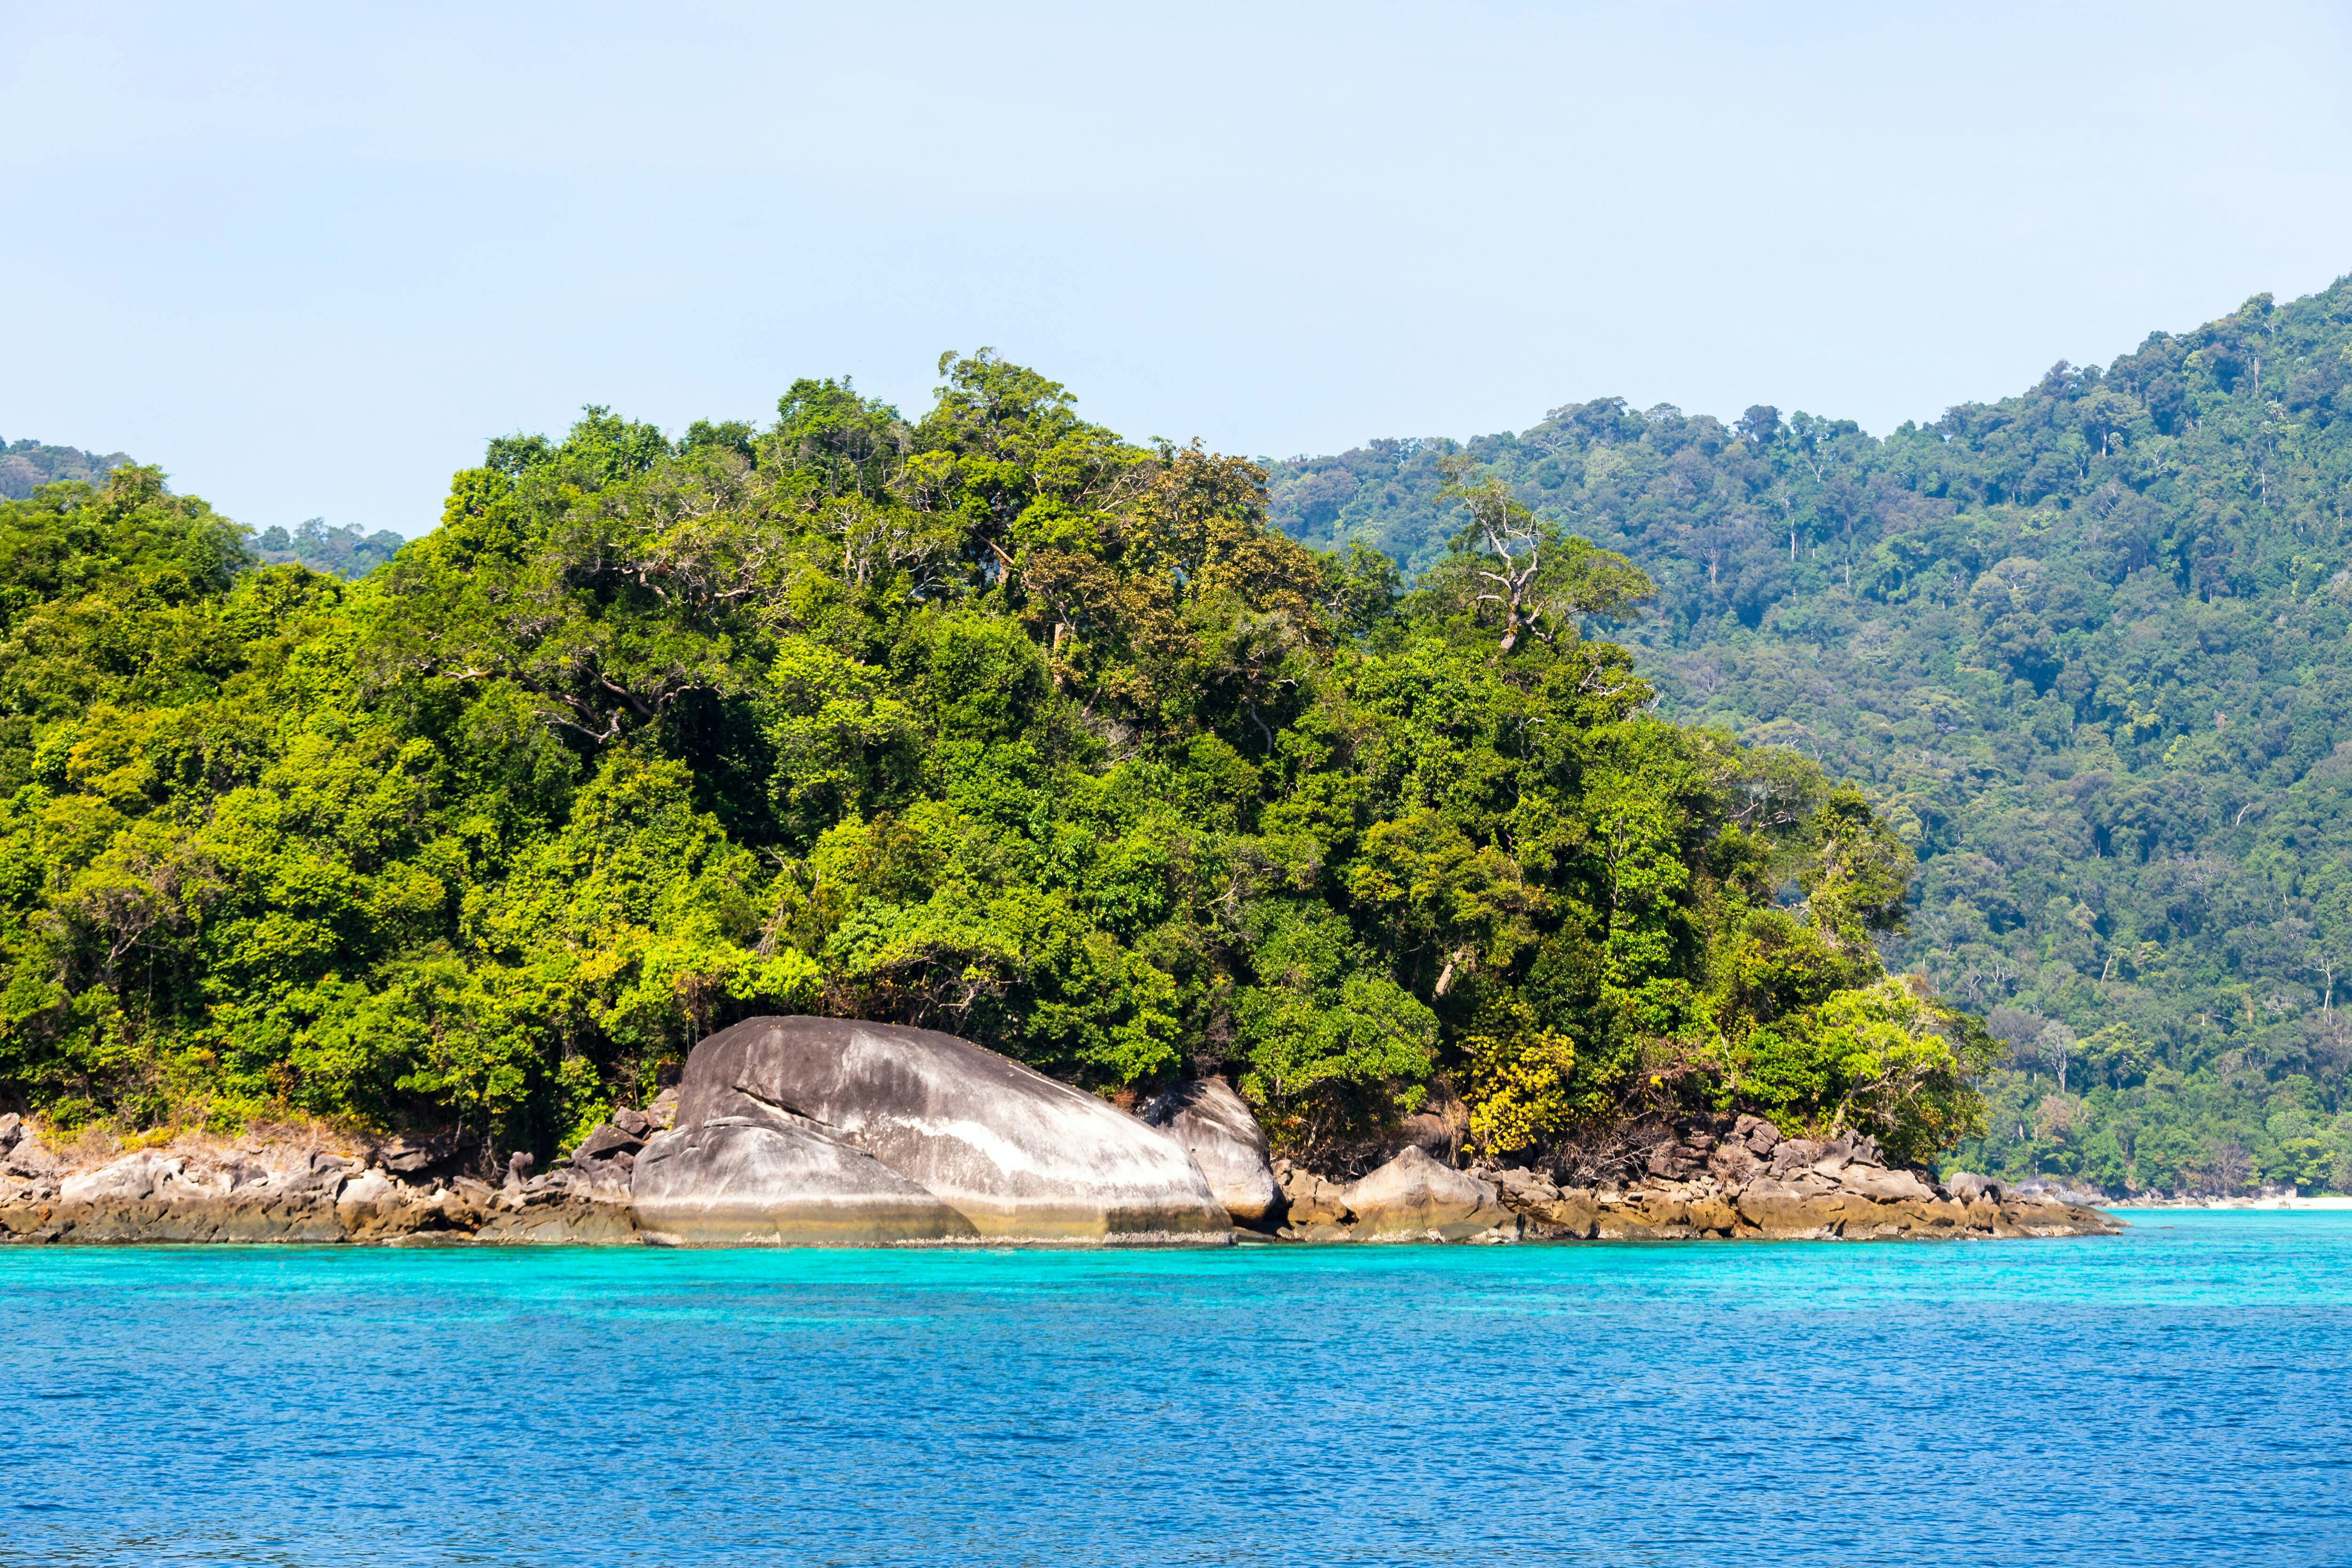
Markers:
<point>2178,1395</point>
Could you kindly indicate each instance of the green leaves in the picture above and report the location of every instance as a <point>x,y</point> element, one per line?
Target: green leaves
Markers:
<point>1327,1038</point>
<point>1882,1060</point>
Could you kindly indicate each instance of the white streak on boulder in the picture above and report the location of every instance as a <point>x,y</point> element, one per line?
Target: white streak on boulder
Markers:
<point>778,1181</point>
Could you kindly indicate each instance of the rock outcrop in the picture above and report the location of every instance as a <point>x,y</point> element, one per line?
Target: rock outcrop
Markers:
<point>1017,1156</point>
<point>1216,1127</point>
<point>1749,1182</point>
<point>277,1192</point>
<point>801,1131</point>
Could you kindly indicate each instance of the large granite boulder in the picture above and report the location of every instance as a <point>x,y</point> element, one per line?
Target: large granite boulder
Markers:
<point>779,1180</point>
<point>1015,1155</point>
<point>1216,1127</point>
<point>1413,1197</point>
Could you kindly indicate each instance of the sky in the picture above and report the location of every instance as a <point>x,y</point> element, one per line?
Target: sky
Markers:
<point>309,257</point>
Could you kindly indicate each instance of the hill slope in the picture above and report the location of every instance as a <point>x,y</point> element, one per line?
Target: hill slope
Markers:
<point>26,466</point>
<point>990,721</point>
<point>2087,645</point>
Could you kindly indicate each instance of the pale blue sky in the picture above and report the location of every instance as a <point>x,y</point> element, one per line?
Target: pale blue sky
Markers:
<point>308,256</point>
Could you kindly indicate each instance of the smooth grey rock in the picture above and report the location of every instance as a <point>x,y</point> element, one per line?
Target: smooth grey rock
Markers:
<point>413,1155</point>
<point>605,1140</point>
<point>1522,1189</point>
<point>1413,1196</point>
<point>1968,1188</point>
<point>1019,1155</point>
<point>131,1177</point>
<point>1884,1186</point>
<point>30,1157</point>
<point>778,1181</point>
<point>1216,1127</point>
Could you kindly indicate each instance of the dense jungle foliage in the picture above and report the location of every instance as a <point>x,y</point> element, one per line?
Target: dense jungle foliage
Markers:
<point>989,721</point>
<point>2085,647</point>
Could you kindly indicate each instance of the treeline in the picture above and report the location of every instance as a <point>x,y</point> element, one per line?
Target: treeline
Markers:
<point>2086,648</point>
<point>990,721</point>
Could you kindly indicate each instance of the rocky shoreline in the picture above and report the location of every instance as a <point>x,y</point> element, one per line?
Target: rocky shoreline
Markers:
<point>803,1132</point>
<point>1752,1185</point>
<point>290,1192</point>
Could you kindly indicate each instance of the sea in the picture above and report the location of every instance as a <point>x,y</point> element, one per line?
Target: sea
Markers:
<point>2180,1394</point>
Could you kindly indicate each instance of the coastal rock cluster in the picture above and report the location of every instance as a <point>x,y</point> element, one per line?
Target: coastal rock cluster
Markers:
<point>289,1191</point>
<point>1749,1181</point>
<point>803,1131</point>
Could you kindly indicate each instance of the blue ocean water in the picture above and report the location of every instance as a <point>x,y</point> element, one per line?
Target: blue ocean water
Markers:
<point>2178,1395</point>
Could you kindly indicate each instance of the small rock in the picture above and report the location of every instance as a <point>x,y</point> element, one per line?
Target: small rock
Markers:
<point>1734,1163</point>
<point>1413,1195</point>
<point>1884,1186</point>
<point>605,1139</point>
<point>410,1156</point>
<point>1713,1215</point>
<point>1573,1216</point>
<point>1794,1155</point>
<point>1313,1199</point>
<point>1969,1188</point>
<point>1524,1189</point>
<point>634,1122</point>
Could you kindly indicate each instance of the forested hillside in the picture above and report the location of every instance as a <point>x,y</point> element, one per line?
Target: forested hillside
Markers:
<point>26,466</point>
<point>990,721</point>
<point>342,552</point>
<point>2085,647</point>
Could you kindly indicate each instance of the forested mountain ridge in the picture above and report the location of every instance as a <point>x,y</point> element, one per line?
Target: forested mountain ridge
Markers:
<point>2086,647</point>
<point>989,720</point>
<point>342,552</point>
<point>26,465</point>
